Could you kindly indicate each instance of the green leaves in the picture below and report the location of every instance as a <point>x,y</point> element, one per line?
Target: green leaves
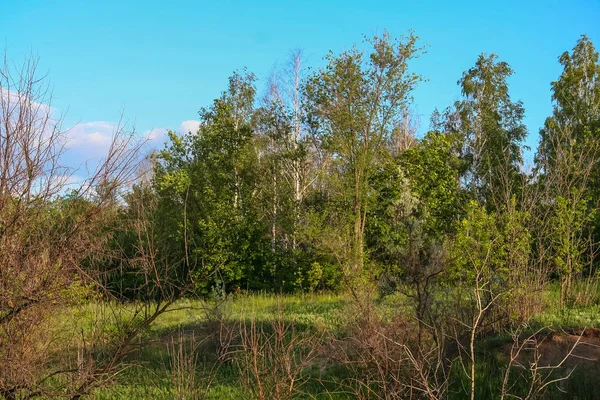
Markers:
<point>433,171</point>
<point>487,131</point>
<point>479,246</point>
<point>355,103</point>
<point>569,223</point>
<point>576,96</point>
<point>568,162</point>
<point>206,181</point>
<point>325,173</point>
<point>177,181</point>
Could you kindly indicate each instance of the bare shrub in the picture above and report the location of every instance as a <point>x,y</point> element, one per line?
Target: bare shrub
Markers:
<point>527,358</point>
<point>222,329</point>
<point>190,381</point>
<point>388,358</point>
<point>272,357</point>
<point>50,234</point>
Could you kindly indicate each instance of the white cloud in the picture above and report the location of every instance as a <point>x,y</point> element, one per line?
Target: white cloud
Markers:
<point>155,135</point>
<point>188,126</point>
<point>158,136</point>
<point>16,107</point>
<point>14,101</point>
<point>91,140</point>
<point>86,143</point>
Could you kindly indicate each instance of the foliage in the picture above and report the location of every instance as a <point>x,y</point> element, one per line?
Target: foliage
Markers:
<point>354,104</point>
<point>488,131</point>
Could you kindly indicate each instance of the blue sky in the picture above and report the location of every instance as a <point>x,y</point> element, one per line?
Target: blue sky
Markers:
<point>161,61</point>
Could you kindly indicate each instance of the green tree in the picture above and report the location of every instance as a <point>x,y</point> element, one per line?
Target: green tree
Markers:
<point>416,211</point>
<point>288,167</point>
<point>417,195</point>
<point>568,157</point>
<point>353,105</point>
<point>207,179</point>
<point>568,239</point>
<point>488,130</point>
<point>480,274</point>
<point>576,97</point>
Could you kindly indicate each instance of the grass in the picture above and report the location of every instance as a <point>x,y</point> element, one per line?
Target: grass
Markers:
<point>569,316</point>
<point>151,374</point>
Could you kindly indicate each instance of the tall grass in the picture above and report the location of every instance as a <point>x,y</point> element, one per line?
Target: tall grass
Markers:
<point>178,358</point>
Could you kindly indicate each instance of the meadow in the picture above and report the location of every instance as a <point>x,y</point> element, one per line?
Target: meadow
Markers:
<point>178,358</point>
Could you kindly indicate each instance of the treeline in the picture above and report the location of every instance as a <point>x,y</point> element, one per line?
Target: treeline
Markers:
<point>319,181</point>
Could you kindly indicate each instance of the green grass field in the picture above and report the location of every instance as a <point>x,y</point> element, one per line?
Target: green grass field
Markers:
<point>177,359</point>
<point>152,376</point>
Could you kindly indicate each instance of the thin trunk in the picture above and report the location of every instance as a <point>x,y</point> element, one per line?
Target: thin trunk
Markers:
<point>358,223</point>
<point>236,190</point>
<point>274,212</point>
<point>480,310</point>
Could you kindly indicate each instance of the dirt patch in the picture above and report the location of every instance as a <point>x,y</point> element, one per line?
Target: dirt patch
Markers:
<point>568,349</point>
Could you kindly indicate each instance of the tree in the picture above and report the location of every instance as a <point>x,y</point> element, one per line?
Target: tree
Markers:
<point>416,211</point>
<point>488,129</point>
<point>479,254</point>
<point>209,179</point>
<point>354,104</point>
<point>567,163</point>
<point>576,97</point>
<point>289,161</point>
<point>569,203</point>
